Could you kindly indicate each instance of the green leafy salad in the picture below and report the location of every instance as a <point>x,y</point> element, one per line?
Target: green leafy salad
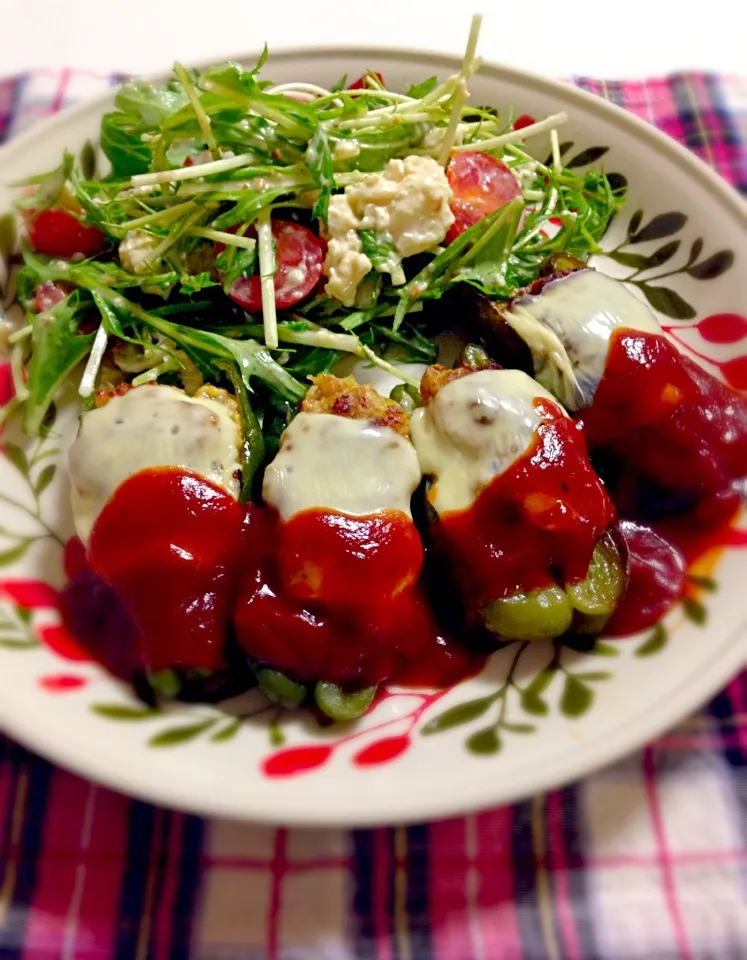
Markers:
<point>250,235</point>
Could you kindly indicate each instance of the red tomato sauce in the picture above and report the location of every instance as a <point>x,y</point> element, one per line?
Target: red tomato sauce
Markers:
<point>336,597</point>
<point>537,521</point>
<point>658,422</point>
<point>176,569</point>
<point>168,544</point>
<point>670,441</point>
<point>324,596</point>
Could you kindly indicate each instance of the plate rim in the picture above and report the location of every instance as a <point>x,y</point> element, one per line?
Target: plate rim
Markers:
<point>486,791</point>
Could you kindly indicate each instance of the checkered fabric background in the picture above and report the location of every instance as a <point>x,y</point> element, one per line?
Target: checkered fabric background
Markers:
<point>647,859</point>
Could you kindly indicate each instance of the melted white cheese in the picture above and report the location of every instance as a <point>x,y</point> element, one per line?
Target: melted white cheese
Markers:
<point>472,430</point>
<point>568,325</point>
<point>341,464</point>
<point>150,426</point>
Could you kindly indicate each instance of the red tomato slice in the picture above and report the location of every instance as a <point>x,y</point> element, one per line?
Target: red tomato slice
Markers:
<point>481,184</point>
<point>524,120</point>
<point>57,233</point>
<point>299,254</point>
<point>50,293</point>
<point>361,83</point>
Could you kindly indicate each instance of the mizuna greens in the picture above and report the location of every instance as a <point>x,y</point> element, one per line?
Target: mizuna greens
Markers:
<point>199,171</point>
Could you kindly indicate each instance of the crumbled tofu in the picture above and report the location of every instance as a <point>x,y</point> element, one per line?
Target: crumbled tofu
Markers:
<point>346,150</point>
<point>408,201</point>
<point>135,250</point>
<point>345,266</point>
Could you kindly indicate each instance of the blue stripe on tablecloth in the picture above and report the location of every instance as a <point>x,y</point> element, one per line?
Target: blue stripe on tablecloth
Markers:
<point>139,844</point>
<point>367,874</point>
<point>190,869</point>
<point>364,935</point>
<point>728,128</point>
<point>417,901</point>
<point>573,832</point>
<point>10,111</point>
<point>723,708</point>
<point>38,773</point>
<point>525,884</point>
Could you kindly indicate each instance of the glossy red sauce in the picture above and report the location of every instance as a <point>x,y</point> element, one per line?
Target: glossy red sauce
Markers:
<point>537,521</point>
<point>175,566</point>
<point>168,544</point>
<point>336,597</point>
<point>658,419</point>
<point>324,596</point>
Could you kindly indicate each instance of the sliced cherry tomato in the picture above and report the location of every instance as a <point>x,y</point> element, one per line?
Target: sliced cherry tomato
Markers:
<point>57,233</point>
<point>524,120</point>
<point>299,254</point>
<point>362,84</point>
<point>481,184</point>
<point>50,293</point>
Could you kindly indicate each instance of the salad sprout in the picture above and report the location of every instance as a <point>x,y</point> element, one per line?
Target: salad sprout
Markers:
<point>198,173</point>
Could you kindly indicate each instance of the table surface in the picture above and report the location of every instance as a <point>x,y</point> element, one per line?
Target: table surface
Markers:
<point>602,40</point>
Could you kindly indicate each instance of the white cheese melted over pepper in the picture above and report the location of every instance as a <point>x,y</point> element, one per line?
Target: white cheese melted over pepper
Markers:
<point>149,426</point>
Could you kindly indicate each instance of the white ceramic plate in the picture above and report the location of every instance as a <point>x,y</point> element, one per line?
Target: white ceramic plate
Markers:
<point>557,725</point>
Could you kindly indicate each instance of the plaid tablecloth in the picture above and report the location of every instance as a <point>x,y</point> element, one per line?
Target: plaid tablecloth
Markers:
<point>647,859</point>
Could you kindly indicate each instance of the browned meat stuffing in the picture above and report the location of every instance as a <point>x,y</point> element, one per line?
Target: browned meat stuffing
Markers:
<point>345,397</point>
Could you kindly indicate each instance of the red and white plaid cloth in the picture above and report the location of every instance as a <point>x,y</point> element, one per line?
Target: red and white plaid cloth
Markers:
<point>647,859</point>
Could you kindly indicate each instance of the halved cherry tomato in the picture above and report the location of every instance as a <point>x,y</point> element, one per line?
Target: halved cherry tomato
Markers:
<point>481,184</point>
<point>362,84</point>
<point>57,233</point>
<point>50,293</point>
<point>299,255</point>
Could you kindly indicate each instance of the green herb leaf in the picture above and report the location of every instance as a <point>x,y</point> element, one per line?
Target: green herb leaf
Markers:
<point>418,90</point>
<point>382,253</point>
<point>322,168</point>
<point>58,348</point>
<point>122,143</point>
<point>478,240</point>
<point>235,262</point>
